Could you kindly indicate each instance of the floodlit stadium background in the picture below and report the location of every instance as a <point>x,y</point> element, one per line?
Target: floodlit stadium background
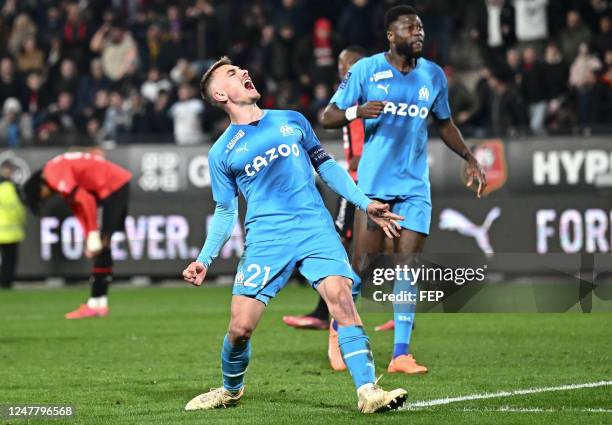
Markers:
<point>530,87</point>
<point>518,79</point>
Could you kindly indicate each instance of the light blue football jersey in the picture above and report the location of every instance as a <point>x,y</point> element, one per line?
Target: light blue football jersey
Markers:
<point>269,163</point>
<point>394,160</point>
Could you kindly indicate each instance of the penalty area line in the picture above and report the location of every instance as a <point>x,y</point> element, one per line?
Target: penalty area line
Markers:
<point>484,396</point>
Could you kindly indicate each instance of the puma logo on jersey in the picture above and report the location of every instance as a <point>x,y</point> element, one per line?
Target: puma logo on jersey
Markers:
<point>384,87</point>
<point>242,148</point>
<point>404,109</point>
<point>259,162</point>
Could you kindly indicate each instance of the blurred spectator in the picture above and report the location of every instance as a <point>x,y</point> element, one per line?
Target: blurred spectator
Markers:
<point>437,17</point>
<point>140,113</point>
<point>481,118</point>
<point>23,27</point>
<point>278,52</point>
<point>602,93</point>
<point>463,104</point>
<point>508,116</point>
<point>52,24</point>
<point>15,127</point>
<point>182,72</point>
<point>573,35</point>
<point>315,57</point>
<point>533,90</point>
<point>9,86</point>
<point>170,52</point>
<point>117,48</point>
<point>494,29</point>
<point>67,81</point>
<point>187,115</point>
<point>556,74</point>
<point>76,35</point>
<point>60,120</point>
<point>531,22</point>
<point>117,120</point>
<point>513,64</point>
<point>321,96</point>
<point>150,48</point>
<point>582,79</point>
<point>30,57</point>
<point>162,122</point>
<point>12,224</point>
<point>90,84</point>
<point>602,41</point>
<point>35,97</point>
<point>291,13</point>
<point>355,22</point>
<point>154,84</point>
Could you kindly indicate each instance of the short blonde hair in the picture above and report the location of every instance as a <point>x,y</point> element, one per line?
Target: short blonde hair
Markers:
<point>207,77</point>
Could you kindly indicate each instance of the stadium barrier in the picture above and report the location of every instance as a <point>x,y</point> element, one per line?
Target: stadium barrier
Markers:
<point>549,203</point>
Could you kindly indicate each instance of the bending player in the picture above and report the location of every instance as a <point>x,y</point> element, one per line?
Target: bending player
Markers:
<point>86,181</point>
<point>394,93</point>
<point>268,156</point>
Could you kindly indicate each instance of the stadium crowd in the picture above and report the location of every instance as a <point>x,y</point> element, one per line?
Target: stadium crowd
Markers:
<point>81,72</point>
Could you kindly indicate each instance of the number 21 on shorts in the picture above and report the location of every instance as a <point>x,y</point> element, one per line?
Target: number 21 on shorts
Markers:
<point>250,277</point>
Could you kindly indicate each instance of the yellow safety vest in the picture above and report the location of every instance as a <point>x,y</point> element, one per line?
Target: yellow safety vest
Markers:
<point>12,214</point>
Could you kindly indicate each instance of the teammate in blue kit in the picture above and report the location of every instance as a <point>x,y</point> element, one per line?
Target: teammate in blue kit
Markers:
<point>268,156</point>
<point>395,92</point>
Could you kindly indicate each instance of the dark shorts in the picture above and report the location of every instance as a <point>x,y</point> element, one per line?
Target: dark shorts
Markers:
<point>114,210</point>
<point>345,219</point>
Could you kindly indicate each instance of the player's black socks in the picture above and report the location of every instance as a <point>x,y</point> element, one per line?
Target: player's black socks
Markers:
<point>321,311</point>
<point>102,273</point>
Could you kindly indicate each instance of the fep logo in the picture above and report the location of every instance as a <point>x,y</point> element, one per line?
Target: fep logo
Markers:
<point>491,157</point>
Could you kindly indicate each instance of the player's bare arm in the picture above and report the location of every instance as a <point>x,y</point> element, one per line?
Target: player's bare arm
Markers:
<point>452,137</point>
<point>334,117</point>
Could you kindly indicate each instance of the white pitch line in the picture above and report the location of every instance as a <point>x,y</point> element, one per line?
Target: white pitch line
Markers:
<point>535,410</point>
<point>484,396</point>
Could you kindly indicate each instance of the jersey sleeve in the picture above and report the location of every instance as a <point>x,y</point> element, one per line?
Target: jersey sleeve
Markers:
<point>440,107</point>
<point>83,205</point>
<point>223,183</point>
<point>351,90</point>
<point>311,143</point>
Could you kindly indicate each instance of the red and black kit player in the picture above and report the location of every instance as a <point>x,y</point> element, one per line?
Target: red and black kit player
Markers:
<point>353,136</point>
<point>87,181</point>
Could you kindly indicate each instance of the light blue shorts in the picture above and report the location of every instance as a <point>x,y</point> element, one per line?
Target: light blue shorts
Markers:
<point>416,213</point>
<point>266,267</point>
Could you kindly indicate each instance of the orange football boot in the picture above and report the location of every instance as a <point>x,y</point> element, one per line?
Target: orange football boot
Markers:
<point>85,312</point>
<point>406,364</point>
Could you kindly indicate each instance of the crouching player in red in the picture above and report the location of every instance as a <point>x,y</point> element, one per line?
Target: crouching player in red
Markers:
<point>86,181</point>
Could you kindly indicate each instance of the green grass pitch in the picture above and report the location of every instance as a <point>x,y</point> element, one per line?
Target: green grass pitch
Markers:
<point>160,347</point>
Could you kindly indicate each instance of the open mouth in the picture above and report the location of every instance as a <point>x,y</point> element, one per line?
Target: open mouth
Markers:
<point>248,84</point>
